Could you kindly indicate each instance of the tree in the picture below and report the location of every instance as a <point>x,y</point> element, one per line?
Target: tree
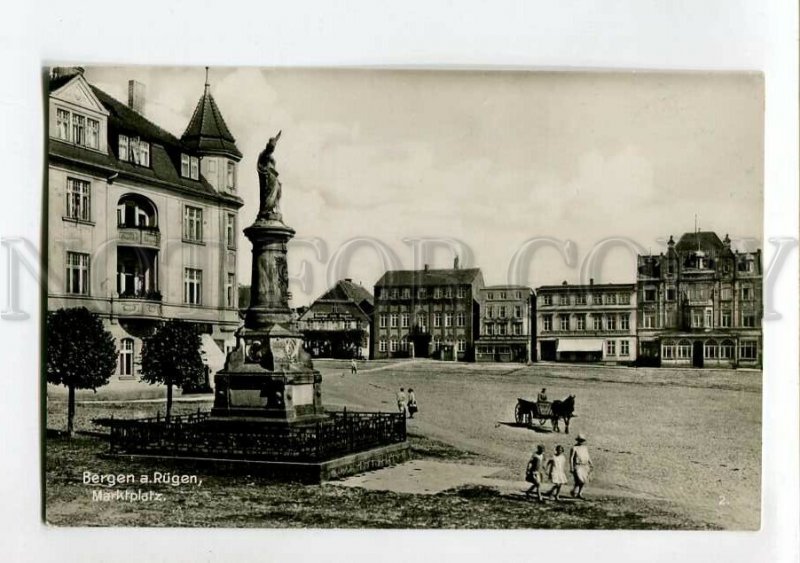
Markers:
<point>80,353</point>
<point>172,356</point>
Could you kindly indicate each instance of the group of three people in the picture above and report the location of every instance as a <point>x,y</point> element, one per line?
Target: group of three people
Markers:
<point>580,465</point>
<point>407,402</point>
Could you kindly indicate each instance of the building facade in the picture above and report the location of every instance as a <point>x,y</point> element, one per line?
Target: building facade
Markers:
<point>507,324</point>
<point>586,323</point>
<point>700,304</point>
<point>427,313</point>
<point>338,324</point>
<point>142,226</point>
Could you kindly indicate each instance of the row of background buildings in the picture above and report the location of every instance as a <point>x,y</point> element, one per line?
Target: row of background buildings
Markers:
<point>143,226</point>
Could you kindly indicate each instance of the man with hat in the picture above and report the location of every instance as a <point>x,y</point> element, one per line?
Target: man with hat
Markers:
<point>580,464</point>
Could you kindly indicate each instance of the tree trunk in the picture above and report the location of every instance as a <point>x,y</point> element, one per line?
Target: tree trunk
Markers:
<point>71,411</point>
<point>169,399</point>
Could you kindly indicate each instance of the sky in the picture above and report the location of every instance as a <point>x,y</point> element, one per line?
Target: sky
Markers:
<point>495,166</point>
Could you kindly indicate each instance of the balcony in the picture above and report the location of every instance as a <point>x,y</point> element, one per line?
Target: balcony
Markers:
<point>143,305</point>
<point>148,237</point>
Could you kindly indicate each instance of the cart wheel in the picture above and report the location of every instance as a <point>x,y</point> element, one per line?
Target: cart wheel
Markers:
<point>518,416</point>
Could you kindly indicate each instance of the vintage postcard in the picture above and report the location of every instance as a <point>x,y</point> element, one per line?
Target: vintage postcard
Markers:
<point>350,298</point>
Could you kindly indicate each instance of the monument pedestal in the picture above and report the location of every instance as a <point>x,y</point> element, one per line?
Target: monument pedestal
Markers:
<point>268,377</point>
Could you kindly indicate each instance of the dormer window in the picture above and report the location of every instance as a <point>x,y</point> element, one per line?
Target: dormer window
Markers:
<point>133,149</point>
<point>190,167</point>
<point>78,129</point>
<point>231,181</point>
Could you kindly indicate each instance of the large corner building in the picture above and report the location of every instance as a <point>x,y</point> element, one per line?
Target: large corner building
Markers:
<point>142,225</point>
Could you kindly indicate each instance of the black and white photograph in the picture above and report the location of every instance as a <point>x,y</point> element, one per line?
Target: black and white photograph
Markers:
<point>403,298</point>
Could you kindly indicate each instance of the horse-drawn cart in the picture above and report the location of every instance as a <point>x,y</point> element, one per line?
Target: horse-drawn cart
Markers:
<point>528,411</point>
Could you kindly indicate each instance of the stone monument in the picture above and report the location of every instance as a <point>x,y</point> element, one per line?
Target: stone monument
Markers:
<point>268,377</point>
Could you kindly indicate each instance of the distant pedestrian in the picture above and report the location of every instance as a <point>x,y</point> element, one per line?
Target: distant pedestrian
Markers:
<point>402,400</point>
<point>412,403</point>
<point>533,473</point>
<point>542,396</point>
<point>557,471</point>
<point>580,464</point>
<point>353,367</point>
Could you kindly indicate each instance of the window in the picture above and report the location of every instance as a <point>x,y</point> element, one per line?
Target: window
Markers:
<point>78,129</point>
<point>649,294</point>
<point>709,318</point>
<point>697,318</point>
<point>610,299</point>
<point>490,296</point>
<point>448,319</point>
<point>193,223</point>
<point>92,133</point>
<point>394,293</point>
<point>422,323</point>
<point>133,149</point>
<point>123,147</point>
<point>406,293</point>
<point>404,345</point>
<point>404,320</point>
<point>462,345</point>
<point>501,329</point>
<point>193,286</point>
<point>382,345</point>
<point>671,294</point>
<point>78,199</point>
<point>77,273</point>
<point>448,292</point>
<point>488,329</point>
<point>126,357</point>
<point>231,176</point>
<point>649,320</point>
<point>517,329</point>
<point>624,322</point>
<point>710,349</point>
<point>393,345</point>
<point>725,319</point>
<point>580,322</point>
<point>697,293</point>
<point>547,322</point>
<point>393,320</point>
<point>684,349</point>
<point>437,343</point>
<point>461,319</point>
<point>624,348</point>
<point>624,298</point>
<point>423,293</point>
<point>746,265</point>
<point>460,293</point>
<point>725,294</point>
<point>437,293</point>
<point>547,299</point>
<point>502,295</point>
<point>611,322</point>
<point>668,351</point>
<point>563,300</point>
<point>230,290</point>
<point>437,320</point>
<point>563,322</point>
<point>212,166</point>
<point>726,350</point>
<point>748,350</point>
<point>382,321</point>
<point>230,230</point>
<point>502,312</point>
<point>611,348</point>
<point>490,311</point>
<point>580,299</point>
<point>749,319</point>
<point>746,293</point>
<point>597,299</point>
<point>597,322</point>
<point>517,311</point>
<point>190,167</point>
<point>62,123</point>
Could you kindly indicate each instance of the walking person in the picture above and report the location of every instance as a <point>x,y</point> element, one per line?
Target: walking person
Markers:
<point>533,473</point>
<point>580,464</point>
<point>353,367</point>
<point>412,403</point>
<point>402,400</point>
<point>557,471</point>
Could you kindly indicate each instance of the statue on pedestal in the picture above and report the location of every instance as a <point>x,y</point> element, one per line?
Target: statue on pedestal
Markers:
<point>268,183</point>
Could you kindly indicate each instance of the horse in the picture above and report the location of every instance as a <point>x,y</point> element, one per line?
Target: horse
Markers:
<point>562,409</point>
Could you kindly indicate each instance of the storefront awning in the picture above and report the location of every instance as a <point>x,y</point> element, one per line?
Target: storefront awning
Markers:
<point>580,345</point>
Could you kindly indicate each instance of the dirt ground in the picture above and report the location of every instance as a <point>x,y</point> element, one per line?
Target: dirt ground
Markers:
<point>690,437</point>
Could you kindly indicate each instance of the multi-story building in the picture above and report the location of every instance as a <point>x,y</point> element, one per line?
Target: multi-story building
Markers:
<point>427,313</point>
<point>142,226</point>
<point>337,325</point>
<point>586,323</point>
<point>507,324</point>
<point>700,304</point>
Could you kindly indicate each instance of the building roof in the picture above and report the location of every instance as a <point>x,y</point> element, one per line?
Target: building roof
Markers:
<point>428,277</point>
<point>207,131</point>
<point>705,240</point>
<point>501,287</point>
<point>346,290</point>
<point>586,287</point>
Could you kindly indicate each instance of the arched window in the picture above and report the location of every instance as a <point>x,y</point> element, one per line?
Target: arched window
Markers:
<point>710,350</point>
<point>126,357</point>
<point>134,210</point>
<point>726,350</point>
<point>684,349</point>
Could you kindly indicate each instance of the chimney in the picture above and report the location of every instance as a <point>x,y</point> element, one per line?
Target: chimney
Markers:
<point>591,281</point>
<point>426,267</point>
<point>455,263</point>
<point>136,96</point>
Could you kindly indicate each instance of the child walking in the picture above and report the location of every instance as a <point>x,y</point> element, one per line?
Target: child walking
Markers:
<point>533,473</point>
<point>557,470</point>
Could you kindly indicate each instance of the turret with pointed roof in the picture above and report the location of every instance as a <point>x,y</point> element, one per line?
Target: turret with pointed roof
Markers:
<point>207,132</point>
